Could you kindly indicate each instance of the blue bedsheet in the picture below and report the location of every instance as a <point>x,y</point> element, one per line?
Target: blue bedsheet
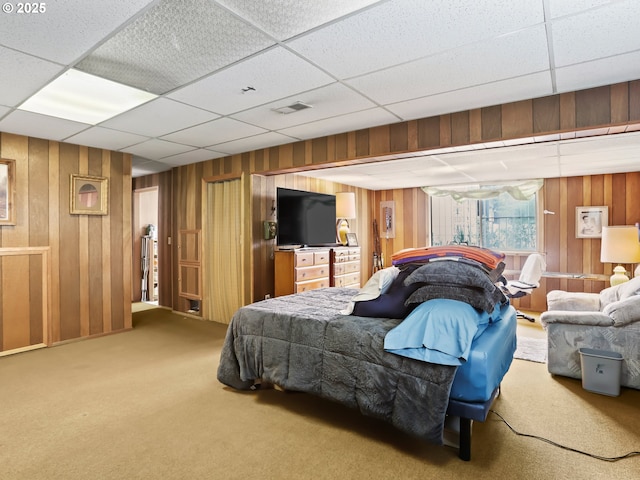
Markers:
<point>440,331</point>
<point>450,332</point>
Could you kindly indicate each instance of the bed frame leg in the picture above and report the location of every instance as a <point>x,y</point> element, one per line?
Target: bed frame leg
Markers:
<point>464,452</point>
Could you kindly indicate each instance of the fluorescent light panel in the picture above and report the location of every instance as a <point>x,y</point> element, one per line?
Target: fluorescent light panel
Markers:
<point>85,98</point>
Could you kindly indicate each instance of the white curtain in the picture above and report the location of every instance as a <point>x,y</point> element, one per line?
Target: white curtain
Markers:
<point>520,190</point>
<point>224,272</point>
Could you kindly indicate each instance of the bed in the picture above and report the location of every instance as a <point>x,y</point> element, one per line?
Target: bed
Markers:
<point>304,342</point>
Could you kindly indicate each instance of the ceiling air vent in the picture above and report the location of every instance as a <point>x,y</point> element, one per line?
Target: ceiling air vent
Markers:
<point>294,107</point>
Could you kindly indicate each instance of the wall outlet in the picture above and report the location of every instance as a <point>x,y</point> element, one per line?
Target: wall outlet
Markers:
<point>267,296</point>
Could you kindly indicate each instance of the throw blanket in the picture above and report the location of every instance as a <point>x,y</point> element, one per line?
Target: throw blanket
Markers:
<point>489,258</point>
<point>301,342</point>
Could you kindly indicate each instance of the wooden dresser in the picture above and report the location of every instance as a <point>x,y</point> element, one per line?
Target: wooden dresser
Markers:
<point>301,269</point>
<point>345,267</point>
<point>305,269</point>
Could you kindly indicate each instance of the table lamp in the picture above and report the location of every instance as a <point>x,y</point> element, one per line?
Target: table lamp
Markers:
<point>345,209</point>
<point>620,245</point>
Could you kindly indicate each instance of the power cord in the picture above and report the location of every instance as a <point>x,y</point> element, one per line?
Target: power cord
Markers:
<point>550,442</point>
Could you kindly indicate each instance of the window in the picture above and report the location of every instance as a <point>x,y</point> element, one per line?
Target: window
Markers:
<point>501,223</point>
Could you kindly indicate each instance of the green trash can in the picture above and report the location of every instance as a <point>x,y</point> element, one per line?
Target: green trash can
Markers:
<point>601,371</point>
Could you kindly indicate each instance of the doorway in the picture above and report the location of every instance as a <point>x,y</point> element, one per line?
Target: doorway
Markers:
<point>145,276</point>
<point>224,257</point>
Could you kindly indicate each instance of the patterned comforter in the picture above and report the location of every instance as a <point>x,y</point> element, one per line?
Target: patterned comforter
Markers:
<point>301,342</point>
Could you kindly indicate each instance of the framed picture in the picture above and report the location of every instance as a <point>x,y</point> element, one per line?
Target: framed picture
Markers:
<point>388,219</point>
<point>352,240</point>
<point>590,220</point>
<point>7,192</point>
<point>89,195</point>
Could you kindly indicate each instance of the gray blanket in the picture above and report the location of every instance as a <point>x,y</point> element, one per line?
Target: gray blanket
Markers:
<point>301,342</point>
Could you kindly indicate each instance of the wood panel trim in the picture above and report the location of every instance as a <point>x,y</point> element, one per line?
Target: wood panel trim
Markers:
<point>43,252</point>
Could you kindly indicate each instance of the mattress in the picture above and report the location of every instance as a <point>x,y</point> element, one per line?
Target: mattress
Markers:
<point>490,358</point>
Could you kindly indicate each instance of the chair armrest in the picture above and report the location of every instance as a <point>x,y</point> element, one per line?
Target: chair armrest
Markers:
<point>624,312</point>
<point>573,301</point>
<point>576,318</point>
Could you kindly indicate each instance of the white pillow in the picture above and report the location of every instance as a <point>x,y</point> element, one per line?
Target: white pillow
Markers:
<point>378,284</point>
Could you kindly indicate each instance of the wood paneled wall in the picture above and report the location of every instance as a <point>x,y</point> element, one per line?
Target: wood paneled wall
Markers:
<point>613,108</point>
<point>90,256</point>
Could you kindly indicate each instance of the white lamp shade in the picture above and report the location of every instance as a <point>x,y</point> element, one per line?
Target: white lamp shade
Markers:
<point>345,205</point>
<point>620,245</point>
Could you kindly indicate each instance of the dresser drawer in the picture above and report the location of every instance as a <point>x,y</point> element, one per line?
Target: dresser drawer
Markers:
<point>311,285</point>
<point>341,252</point>
<point>352,267</point>
<point>321,258</point>
<point>303,259</point>
<point>351,279</point>
<point>310,273</point>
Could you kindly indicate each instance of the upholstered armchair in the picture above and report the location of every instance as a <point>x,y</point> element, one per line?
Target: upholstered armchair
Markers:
<point>609,320</point>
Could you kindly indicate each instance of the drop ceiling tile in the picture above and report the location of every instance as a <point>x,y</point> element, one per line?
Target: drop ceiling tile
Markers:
<point>4,110</point>
<point>521,153</point>
<point>597,33</point>
<point>211,133</point>
<point>72,26</point>
<point>560,8</point>
<point>403,31</point>
<point>573,170</point>
<point>605,71</point>
<point>193,156</point>
<point>274,74</point>
<point>174,43</point>
<point>495,93</point>
<point>159,117</point>
<point>515,170</point>
<point>256,142</point>
<point>284,19</point>
<point>106,138</point>
<point>40,126</point>
<point>23,75</point>
<point>329,101</point>
<point>142,166</point>
<point>340,124</point>
<point>509,56</point>
<point>600,144</point>
<point>155,149</point>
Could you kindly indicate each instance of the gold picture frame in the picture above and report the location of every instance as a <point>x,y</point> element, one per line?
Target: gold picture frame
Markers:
<point>7,192</point>
<point>89,195</point>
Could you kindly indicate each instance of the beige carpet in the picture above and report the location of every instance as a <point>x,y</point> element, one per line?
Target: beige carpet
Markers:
<point>145,404</point>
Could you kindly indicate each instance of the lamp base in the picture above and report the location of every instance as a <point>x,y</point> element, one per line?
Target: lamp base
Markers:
<point>619,276</point>
<point>342,230</point>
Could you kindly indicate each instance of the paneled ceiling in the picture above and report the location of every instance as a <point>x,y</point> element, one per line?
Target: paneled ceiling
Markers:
<point>223,71</point>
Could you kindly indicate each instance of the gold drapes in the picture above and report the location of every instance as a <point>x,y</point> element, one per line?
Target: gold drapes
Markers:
<point>223,250</point>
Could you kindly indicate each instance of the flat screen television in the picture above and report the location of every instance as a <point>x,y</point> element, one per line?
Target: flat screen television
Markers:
<point>305,218</point>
